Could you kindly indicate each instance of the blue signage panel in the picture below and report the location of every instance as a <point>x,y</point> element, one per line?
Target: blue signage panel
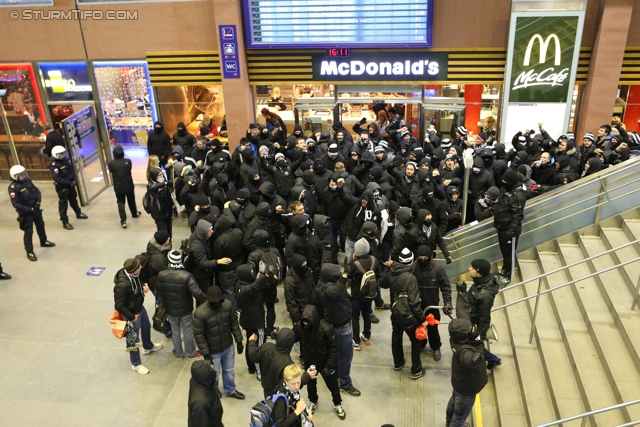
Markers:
<point>303,24</point>
<point>96,271</point>
<point>67,81</point>
<point>229,59</point>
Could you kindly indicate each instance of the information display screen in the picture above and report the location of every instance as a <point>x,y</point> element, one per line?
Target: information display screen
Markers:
<point>337,23</point>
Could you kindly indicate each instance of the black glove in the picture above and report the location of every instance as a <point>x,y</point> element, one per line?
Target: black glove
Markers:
<point>475,357</point>
<point>448,258</point>
<point>73,183</point>
<point>209,358</point>
<point>37,206</point>
<point>447,309</point>
<point>362,121</point>
<point>240,348</point>
<point>326,372</point>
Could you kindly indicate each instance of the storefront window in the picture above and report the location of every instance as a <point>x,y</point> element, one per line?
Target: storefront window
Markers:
<point>25,119</point>
<point>127,101</point>
<point>190,105</point>
<point>18,3</point>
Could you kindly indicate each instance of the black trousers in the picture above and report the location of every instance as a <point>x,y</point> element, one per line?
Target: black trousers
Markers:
<point>66,197</point>
<point>332,381</point>
<point>131,201</point>
<point>398,352</point>
<point>433,336</point>
<point>508,247</point>
<point>27,226</point>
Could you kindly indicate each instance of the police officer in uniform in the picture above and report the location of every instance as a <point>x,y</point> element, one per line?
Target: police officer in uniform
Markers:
<point>26,198</point>
<point>64,178</point>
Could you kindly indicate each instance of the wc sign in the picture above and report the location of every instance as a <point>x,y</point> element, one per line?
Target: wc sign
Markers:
<point>543,55</point>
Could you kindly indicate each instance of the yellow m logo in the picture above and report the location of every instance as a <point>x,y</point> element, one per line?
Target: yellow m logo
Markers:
<point>544,45</point>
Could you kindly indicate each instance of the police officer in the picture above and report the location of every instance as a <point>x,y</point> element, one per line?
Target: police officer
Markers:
<point>64,178</point>
<point>26,198</point>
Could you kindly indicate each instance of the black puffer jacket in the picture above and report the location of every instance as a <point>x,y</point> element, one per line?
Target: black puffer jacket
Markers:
<point>405,222</point>
<point>157,262</point>
<point>319,346</point>
<point>398,279</point>
<point>269,195</point>
<point>467,377</point>
<point>205,409</point>
<point>200,250</point>
<point>481,296</point>
<point>178,288</point>
<point>228,244</point>
<point>159,143</point>
<point>273,358</point>
<point>508,213</point>
<point>215,327</point>
<point>128,297</point>
<point>479,182</point>
<point>334,296</point>
<point>432,280</point>
<point>120,169</point>
<point>298,288</point>
<point>248,298</point>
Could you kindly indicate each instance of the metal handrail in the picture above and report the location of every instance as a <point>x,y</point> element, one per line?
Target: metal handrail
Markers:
<point>568,266</point>
<point>632,423</point>
<point>588,414</point>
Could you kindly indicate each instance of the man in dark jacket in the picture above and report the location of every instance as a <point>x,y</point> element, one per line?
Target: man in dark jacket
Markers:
<point>54,138</point>
<point>128,294</point>
<point>507,218</point>
<point>185,139</point>
<point>222,191</point>
<point>400,281</point>
<point>433,205</point>
<point>260,221</point>
<point>335,209</point>
<point>268,194</point>
<point>424,232</point>
<point>361,210</point>
<point>319,248</point>
<point>481,296</point>
<point>404,217</point>
<point>157,249</point>
<point>336,301</point>
<point>251,309</point>
<point>485,205</point>
<point>228,244</point>
<point>161,201</point>
<point>159,143</point>
<point>479,182</point>
<point>215,327</point>
<point>298,239</point>
<point>201,254</point>
<point>299,289</point>
<point>205,409</point>
<point>120,168</point>
<point>468,373</point>
<point>64,179</point>
<point>363,261</point>
<point>320,347</point>
<point>178,288</point>
<point>432,280</point>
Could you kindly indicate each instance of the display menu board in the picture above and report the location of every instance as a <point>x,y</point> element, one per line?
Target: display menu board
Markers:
<point>337,23</point>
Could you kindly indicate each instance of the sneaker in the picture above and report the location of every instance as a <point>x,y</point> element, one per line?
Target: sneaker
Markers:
<point>4,276</point>
<point>123,224</point>
<point>367,341</point>
<point>399,368</point>
<point>420,374</point>
<point>32,256</point>
<point>437,355</point>
<point>67,226</point>
<point>140,369</point>
<point>311,407</point>
<point>490,366</point>
<point>351,391</point>
<point>176,356</point>
<point>81,216</point>
<point>505,281</point>
<point>356,346</point>
<point>384,306</point>
<point>340,411</point>
<point>47,244</point>
<point>237,395</point>
<point>374,319</point>
<point>156,347</point>
<point>137,215</point>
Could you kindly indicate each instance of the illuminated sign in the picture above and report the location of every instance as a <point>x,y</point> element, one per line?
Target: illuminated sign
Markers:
<point>66,81</point>
<point>60,85</point>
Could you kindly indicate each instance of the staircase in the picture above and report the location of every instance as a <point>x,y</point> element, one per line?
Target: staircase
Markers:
<point>585,352</point>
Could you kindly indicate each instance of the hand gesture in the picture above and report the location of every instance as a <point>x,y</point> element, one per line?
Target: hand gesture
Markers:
<point>340,182</point>
<point>300,406</point>
<point>253,337</point>
<point>224,261</point>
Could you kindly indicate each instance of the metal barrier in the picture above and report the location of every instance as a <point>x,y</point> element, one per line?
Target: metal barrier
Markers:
<point>597,411</point>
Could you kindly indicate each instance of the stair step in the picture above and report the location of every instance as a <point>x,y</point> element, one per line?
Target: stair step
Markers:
<point>589,370</point>
<point>531,383</point>
<point>614,238</point>
<point>553,352</point>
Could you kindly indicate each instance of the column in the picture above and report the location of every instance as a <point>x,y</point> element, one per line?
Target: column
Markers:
<point>605,65</point>
<point>238,95</point>
<point>473,104</point>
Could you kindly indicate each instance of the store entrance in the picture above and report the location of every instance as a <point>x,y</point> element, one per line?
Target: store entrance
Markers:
<point>444,115</point>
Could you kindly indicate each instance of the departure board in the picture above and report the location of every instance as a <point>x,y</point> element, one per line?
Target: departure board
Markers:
<point>337,23</point>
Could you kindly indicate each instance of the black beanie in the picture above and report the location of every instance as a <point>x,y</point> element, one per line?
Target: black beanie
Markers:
<point>522,169</point>
<point>424,250</point>
<point>511,178</point>
<point>161,237</point>
<point>482,266</point>
<point>214,294</point>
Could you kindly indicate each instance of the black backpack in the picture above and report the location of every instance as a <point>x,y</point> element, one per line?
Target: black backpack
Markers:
<point>160,321</point>
<point>147,202</point>
<point>269,257</point>
<point>401,310</point>
<point>262,412</point>
<point>143,258</point>
<point>188,261</point>
<point>369,281</point>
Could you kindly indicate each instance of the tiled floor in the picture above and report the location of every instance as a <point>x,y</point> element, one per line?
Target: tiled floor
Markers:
<point>61,366</point>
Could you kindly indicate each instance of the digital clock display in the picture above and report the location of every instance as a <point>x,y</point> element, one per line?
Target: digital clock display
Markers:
<point>336,52</point>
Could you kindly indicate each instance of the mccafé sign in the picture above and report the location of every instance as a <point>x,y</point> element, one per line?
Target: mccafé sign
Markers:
<point>381,66</point>
<point>542,59</point>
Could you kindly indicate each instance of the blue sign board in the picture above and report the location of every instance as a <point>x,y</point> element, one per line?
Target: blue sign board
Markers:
<point>66,81</point>
<point>96,271</point>
<point>229,52</point>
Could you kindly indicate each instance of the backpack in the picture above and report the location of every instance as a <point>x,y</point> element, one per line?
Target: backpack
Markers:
<point>188,261</point>
<point>369,282</point>
<point>143,258</point>
<point>401,311</point>
<point>147,202</point>
<point>262,412</point>
<point>160,322</point>
<point>271,258</point>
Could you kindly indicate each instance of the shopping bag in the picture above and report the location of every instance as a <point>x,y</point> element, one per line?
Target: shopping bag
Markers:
<point>118,325</point>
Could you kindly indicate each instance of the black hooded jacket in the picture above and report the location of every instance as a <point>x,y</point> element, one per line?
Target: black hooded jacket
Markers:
<point>298,239</point>
<point>481,296</point>
<point>479,182</point>
<point>222,191</point>
<point>433,205</point>
<point>228,243</point>
<point>260,221</point>
<point>319,246</point>
<point>128,297</point>
<point>298,288</point>
<point>184,139</point>
<point>405,222</point>
<point>248,298</point>
<point>399,278</point>
<point>269,195</point>
<point>120,169</point>
<point>200,250</point>
<point>468,377</point>
<point>508,213</point>
<point>432,279</point>
<point>319,345</point>
<point>333,295</point>
<point>417,236</point>
<point>205,409</point>
<point>358,215</point>
<point>264,243</point>
<point>159,143</point>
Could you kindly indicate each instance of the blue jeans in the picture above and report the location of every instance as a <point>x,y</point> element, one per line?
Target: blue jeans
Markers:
<point>225,362</point>
<point>490,357</point>
<point>458,409</point>
<point>363,307</point>
<point>187,332</point>
<point>345,355</point>
<point>227,280</point>
<point>143,327</point>
<point>349,249</point>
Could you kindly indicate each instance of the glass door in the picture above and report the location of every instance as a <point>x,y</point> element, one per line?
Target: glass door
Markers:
<point>86,151</point>
<point>444,115</point>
